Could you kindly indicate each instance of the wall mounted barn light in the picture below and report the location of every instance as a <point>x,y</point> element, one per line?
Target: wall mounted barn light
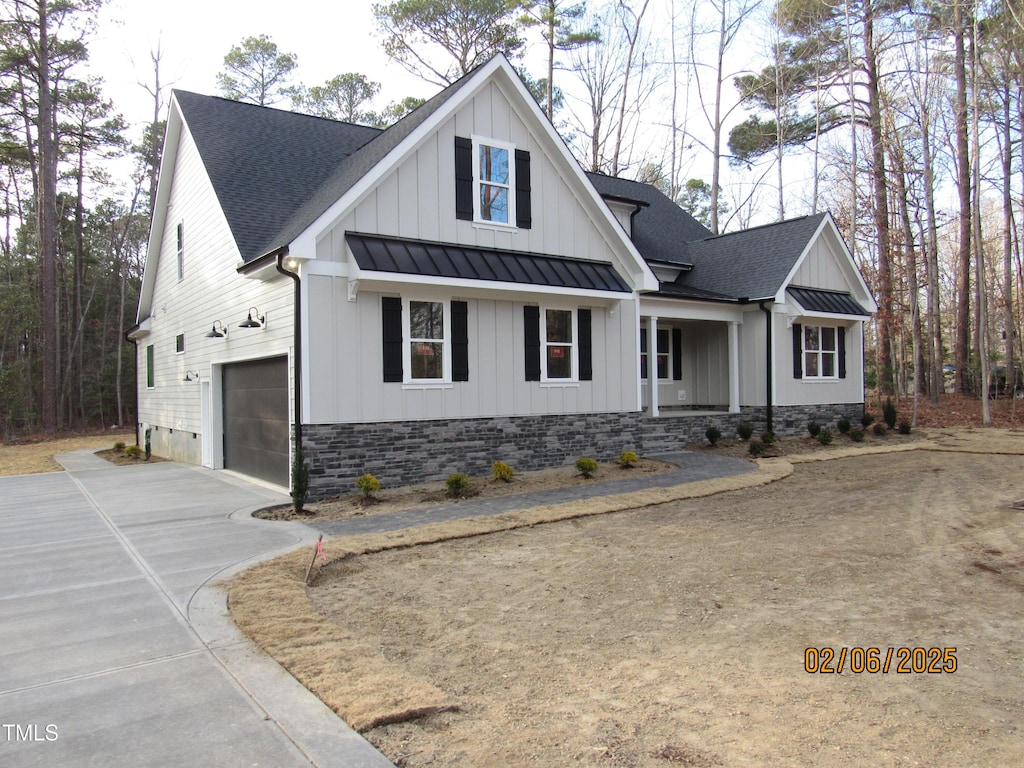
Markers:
<point>217,333</point>
<point>260,321</point>
<point>191,376</point>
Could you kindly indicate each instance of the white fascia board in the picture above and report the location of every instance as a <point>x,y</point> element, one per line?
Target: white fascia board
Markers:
<point>394,281</point>
<point>172,136</point>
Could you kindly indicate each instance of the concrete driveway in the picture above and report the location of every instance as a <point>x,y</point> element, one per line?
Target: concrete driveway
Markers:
<point>115,644</point>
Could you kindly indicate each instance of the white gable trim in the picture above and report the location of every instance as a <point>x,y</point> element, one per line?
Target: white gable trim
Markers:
<point>859,287</point>
<point>498,69</point>
<point>172,137</point>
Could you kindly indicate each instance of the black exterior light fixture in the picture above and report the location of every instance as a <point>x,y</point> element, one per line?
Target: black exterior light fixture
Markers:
<point>191,376</point>
<point>260,321</point>
<point>217,333</point>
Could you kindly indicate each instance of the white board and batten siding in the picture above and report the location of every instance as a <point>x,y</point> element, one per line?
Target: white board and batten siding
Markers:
<point>211,290</point>
<point>416,200</point>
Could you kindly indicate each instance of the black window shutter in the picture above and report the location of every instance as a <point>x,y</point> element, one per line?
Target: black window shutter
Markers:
<point>798,351</point>
<point>460,341</point>
<point>531,330</point>
<point>677,354</point>
<point>463,178</point>
<point>586,347</point>
<point>524,217</point>
<point>391,326</point>
<point>841,346</point>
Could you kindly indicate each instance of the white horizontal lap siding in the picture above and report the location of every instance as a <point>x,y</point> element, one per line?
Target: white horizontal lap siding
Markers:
<point>211,290</point>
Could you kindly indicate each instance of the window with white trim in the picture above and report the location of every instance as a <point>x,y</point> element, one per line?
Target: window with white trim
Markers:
<point>820,352</point>
<point>662,355</point>
<point>150,368</point>
<point>181,251</point>
<point>559,340</point>
<point>494,199</point>
<point>427,348</point>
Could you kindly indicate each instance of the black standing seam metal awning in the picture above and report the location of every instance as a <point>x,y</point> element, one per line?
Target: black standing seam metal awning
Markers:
<point>832,302</point>
<point>418,257</point>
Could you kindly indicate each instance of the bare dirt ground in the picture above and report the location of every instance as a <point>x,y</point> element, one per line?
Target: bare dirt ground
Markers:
<point>676,633</point>
<point>33,454</point>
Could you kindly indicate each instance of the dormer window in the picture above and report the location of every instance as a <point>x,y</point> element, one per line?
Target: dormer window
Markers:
<point>492,183</point>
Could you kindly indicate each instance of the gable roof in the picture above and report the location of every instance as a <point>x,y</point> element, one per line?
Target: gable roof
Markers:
<point>752,263</point>
<point>260,191</point>
<point>661,229</point>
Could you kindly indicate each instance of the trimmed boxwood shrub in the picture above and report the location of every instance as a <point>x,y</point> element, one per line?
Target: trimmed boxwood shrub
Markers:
<point>713,434</point>
<point>457,483</point>
<point>586,466</point>
<point>502,471</point>
<point>628,459</point>
<point>744,430</point>
<point>368,484</point>
<point>813,428</point>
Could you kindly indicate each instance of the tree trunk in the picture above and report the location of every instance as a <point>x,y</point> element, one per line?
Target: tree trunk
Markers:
<point>961,352</point>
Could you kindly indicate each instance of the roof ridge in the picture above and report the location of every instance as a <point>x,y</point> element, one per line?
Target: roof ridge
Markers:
<point>748,230</point>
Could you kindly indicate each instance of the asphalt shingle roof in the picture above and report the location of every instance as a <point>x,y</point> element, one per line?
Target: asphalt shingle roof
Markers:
<point>265,164</point>
<point>661,229</point>
<point>753,263</point>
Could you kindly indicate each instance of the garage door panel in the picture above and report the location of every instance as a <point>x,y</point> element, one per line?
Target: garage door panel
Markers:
<point>256,426</point>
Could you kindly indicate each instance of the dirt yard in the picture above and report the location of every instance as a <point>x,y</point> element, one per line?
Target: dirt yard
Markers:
<point>676,633</point>
<point>32,455</point>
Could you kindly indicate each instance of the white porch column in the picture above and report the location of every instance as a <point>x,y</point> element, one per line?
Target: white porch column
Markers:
<point>652,366</point>
<point>734,367</point>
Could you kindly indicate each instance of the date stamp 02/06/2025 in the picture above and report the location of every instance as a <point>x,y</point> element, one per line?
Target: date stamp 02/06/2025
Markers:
<point>871,660</point>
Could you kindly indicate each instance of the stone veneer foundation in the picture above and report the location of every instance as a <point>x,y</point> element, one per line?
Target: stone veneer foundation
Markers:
<point>405,452</point>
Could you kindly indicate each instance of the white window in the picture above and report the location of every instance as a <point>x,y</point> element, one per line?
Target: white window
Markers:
<point>179,344</point>
<point>821,352</point>
<point>427,355</point>
<point>494,187</point>
<point>662,354</point>
<point>559,344</point>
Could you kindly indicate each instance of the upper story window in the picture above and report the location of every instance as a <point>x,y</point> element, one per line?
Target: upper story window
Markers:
<point>181,250</point>
<point>494,176</point>
<point>492,182</point>
<point>179,344</point>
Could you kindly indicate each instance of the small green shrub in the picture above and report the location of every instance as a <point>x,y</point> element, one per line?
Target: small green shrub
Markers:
<point>843,425</point>
<point>879,429</point>
<point>119,446</point>
<point>502,471</point>
<point>133,451</point>
<point>744,430</point>
<point>867,419</point>
<point>768,438</point>
<point>713,434</point>
<point>586,466</point>
<point>756,448</point>
<point>889,413</point>
<point>825,437</point>
<point>368,484</point>
<point>813,428</point>
<point>628,459</point>
<point>457,483</point>
<point>904,427</point>
<point>857,435</point>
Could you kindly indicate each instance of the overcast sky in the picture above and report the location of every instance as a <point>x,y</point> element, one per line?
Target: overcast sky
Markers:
<point>194,35</point>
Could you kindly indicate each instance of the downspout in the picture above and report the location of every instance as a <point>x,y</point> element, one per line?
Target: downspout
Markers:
<point>297,342</point>
<point>769,426</point>
<point>135,343</point>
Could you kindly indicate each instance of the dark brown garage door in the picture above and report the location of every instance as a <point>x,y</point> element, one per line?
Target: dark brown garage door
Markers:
<point>256,419</point>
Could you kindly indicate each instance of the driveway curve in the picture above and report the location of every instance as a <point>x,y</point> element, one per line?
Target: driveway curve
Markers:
<point>116,647</point>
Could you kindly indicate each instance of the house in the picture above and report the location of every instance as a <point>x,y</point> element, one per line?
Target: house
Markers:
<point>455,290</point>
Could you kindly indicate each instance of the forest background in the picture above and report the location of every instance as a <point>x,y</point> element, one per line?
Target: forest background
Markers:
<point>904,119</point>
